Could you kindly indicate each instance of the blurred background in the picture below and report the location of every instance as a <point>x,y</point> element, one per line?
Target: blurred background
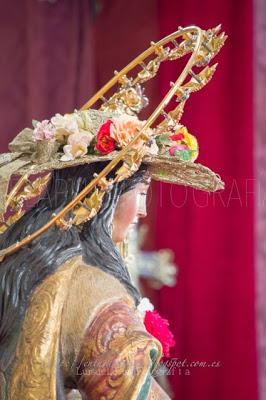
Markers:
<point>55,54</point>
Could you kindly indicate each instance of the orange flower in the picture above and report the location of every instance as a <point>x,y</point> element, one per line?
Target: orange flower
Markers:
<point>125,128</point>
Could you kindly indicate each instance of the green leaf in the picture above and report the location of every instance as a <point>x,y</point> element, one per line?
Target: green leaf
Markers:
<point>34,123</point>
<point>184,155</point>
<point>164,139</point>
<point>91,150</point>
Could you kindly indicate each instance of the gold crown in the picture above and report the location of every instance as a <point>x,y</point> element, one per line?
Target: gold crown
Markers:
<point>127,98</point>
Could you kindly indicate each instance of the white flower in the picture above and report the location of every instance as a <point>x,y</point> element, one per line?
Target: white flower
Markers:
<point>77,146</point>
<point>84,120</point>
<point>67,122</point>
<point>151,148</point>
<point>65,125</point>
<point>144,305</point>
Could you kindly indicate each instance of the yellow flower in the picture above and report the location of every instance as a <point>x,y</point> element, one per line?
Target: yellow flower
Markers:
<point>191,142</point>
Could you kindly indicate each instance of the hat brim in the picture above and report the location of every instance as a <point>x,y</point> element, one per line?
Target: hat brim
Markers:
<point>161,168</point>
<point>185,173</point>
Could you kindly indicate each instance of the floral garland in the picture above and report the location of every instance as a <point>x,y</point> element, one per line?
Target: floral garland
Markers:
<point>74,133</point>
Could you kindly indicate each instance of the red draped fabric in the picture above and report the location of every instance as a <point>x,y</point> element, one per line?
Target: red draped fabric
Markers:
<point>260,152</point>
<point>211,309</point>
<point>45,64</point>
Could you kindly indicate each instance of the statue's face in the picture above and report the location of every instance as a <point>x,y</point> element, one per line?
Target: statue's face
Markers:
<point>131,205</point>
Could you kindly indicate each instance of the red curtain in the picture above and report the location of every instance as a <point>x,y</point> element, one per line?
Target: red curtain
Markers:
<point>212,308</point>
<point>46,64</point>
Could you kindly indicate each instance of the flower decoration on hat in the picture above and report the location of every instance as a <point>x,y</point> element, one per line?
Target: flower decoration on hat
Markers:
<point>74,132</point>
<point>44,130</point>
<point>180,144</point>
<point>105,143</point>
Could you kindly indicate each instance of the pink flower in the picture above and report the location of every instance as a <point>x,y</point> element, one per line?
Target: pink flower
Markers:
<point>44,131</point>
<point>77,146</point>
<point>177,147</point>
<point>125,128</point>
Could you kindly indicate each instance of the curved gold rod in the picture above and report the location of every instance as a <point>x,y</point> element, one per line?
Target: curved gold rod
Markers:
<point>16,188</point>
<point>139,59</point>
<point>16,246</point>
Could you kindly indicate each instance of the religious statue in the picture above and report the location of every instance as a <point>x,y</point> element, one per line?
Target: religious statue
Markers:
<point>71,317</point>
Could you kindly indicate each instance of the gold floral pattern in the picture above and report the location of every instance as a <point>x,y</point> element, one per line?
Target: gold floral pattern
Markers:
<point>34,374</point>
<point>115,358</point>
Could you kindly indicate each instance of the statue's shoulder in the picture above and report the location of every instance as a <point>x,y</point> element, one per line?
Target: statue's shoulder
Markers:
<point>90,290</point>
<point>60,310</point>
<point>90,287</point>
<point>83,286</point>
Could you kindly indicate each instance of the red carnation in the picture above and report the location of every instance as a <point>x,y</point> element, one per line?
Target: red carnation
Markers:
<point>105,144</point>
<point>177,136</point>
<point>159,328</point>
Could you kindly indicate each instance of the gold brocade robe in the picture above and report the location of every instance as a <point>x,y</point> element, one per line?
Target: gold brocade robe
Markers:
<point>81,330</point>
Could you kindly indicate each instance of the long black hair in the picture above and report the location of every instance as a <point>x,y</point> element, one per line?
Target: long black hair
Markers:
<point>21,272</point>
